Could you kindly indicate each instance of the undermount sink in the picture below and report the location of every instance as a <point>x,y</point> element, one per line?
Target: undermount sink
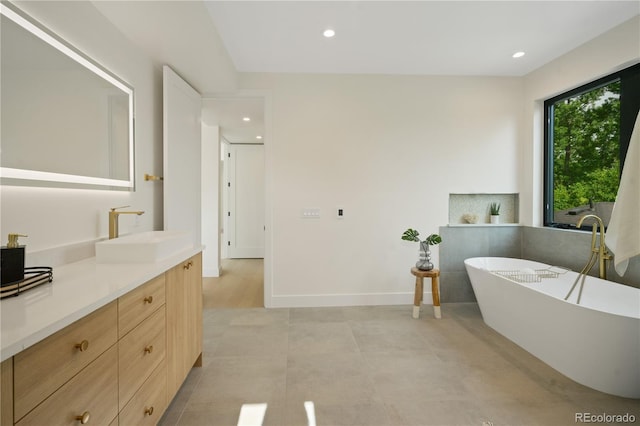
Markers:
<point>151,246</point>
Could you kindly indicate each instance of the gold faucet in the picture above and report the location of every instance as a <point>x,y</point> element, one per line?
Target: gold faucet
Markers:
<point>113,220</point>
<point>601,250</point>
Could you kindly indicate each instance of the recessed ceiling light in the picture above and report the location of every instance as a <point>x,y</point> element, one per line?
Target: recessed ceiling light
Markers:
<point>518,55</point>
<point>258,137</point>
<point>328,33</point>
<point>246,119</point>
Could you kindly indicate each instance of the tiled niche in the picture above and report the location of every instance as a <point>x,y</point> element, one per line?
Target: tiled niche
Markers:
<point>464,207</point>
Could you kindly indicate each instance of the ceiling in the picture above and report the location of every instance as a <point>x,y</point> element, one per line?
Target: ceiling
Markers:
<point>372,37</point>
<point>409,37</point>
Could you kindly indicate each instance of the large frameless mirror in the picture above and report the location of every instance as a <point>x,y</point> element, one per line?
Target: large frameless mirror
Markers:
<point>65,121</point>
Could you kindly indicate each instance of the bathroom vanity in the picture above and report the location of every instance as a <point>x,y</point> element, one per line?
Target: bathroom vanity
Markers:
<point>103,344</point>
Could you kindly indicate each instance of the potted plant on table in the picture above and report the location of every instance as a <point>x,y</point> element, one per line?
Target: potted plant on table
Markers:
<point>424,261</point>
<point>494,210</point>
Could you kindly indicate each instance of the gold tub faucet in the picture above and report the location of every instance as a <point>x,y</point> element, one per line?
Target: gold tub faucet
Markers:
<point>113,220</point>
<point>601,249</point>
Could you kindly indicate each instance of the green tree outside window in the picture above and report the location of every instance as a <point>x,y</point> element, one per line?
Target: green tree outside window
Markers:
<point>586,146</point>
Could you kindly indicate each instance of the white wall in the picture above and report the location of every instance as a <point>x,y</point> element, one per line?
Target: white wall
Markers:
<point>610,52</point>
<point>389,150</point>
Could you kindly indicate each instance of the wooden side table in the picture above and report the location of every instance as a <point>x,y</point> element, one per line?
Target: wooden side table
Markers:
<point>435,291</point>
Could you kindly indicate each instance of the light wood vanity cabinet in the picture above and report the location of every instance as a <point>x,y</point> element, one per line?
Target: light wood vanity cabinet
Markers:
<point>6,392</point>
<point>184,321</point>
<point>120,365</point>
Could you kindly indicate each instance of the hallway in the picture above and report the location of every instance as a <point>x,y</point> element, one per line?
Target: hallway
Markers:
<point>240,285</point>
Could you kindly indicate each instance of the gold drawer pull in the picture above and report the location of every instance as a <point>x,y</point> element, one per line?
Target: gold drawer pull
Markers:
<point>148,411</point>
<point>148,349</point>
<point>148,299</point>
<point>188,265</point>
<point>84,418</point>
<point>82,346</point>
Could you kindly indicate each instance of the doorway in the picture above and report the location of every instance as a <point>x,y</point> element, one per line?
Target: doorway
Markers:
<point>242,201</point>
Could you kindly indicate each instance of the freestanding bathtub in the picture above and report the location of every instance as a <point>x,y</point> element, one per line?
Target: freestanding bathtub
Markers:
<point>596,343</point>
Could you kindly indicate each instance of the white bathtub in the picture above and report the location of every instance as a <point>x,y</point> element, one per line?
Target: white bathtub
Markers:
<point>595,343</point>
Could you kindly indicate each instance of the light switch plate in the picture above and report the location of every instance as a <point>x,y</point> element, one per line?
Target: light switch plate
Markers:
<point>310,213</point>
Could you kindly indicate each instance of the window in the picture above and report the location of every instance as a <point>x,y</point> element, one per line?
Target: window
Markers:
<point>587,135</point>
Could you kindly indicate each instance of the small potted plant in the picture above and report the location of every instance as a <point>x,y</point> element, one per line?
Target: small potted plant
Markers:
<point>494,210</point>
<point>424,261</point>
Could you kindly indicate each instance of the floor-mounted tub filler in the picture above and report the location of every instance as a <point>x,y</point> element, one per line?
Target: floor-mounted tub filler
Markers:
<point>596,343</point>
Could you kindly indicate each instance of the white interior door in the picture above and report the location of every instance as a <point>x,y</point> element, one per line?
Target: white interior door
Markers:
<point>246,201</point>
<point>182,108</point>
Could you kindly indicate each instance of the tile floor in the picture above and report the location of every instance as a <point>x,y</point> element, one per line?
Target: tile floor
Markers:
<point>376,366</point>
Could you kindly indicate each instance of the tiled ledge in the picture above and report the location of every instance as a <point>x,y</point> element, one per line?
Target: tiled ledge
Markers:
<point>478,204</point>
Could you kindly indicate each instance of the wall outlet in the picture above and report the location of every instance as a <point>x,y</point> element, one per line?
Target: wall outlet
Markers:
<point>340,212</point>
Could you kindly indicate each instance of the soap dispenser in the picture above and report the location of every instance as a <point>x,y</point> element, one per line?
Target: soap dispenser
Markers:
<point>12,261</point>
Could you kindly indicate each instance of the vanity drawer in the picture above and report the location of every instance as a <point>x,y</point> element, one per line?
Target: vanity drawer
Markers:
<point>140,352</point>
<point>47,365</point>
<point>93,392</point>
<point>148,404</point>
<point>138,304</point>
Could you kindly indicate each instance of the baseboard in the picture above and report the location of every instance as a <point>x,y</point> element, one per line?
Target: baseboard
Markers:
<point>327,300</point>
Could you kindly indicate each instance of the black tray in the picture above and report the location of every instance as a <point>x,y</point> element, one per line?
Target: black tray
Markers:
<point>33,277</point>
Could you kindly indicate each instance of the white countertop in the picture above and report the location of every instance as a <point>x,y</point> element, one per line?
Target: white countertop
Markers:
<point>77,290</point>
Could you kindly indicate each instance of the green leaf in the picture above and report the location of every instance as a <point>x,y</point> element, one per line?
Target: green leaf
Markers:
<point>411,235</point>
<point>433,239</point>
